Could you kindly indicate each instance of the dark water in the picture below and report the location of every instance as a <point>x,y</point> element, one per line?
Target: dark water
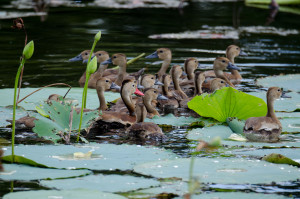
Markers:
<point>66,31</point>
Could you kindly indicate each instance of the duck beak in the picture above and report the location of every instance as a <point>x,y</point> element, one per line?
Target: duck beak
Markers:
<point>106,62</point>
<point>232,66</point>
<point>138,92</point>
<point>184,73</point>
<point>199,66</point>
<point>161,97</point>
<point>86,60</point>
<point>153,55</point>
<point>284,95</point>
<point>77,58</point>
<point>140,86</point>
<point>157,82</point>
<point>114,86</point>
<point>242,53</point>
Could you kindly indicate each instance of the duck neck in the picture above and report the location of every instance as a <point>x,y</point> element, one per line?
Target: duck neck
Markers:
<point>141,116</point>
<point>102,68</point>
<point>220,74</point>
<point>198,87</point>
<point>100,92</point>
<point>271,112</point>
<point>121,74</point>
<point>164,67</point>
<point>190,72</point>
<point>127,99</point>
<point>149,107</point>
<point>235,73</point>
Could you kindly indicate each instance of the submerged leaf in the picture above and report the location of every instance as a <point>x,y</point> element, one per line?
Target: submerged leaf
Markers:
<point>22,160</point>
<point>236,125</point>
<point>280,159</point>
<point>228,102</point>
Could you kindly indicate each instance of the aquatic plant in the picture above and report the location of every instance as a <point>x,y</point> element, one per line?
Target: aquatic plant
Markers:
<point>91,68</point>
<point>228,102</point>
<point>27,53</point>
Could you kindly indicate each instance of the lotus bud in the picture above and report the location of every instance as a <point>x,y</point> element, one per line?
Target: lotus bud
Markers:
<point>28,50</point>
<point>98,36</point>
<point>92,67</point>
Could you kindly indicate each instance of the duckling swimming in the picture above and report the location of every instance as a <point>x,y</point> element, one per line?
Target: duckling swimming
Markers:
<point>268,128</point>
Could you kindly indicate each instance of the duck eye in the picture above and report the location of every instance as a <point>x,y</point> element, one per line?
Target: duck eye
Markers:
<point>86,53</point>
<point>106,80</point>
<point>279,90</point>
<point>154,91</point>
<point>223,61</point>
<point>115,57</point>
<point>152,77</point>
<point>222,82</point>
<point>237,48</point>
<point>161,51</point>
<point>132,85</point>
<point>99,54</point>
<point>195,61</point>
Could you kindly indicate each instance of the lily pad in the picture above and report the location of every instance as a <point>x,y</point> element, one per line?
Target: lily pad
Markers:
<point>220,170</point>
<point>228,102</point>
<point>170,119</point>
<point>70,194</point>
<point>230,195</point>
<point>283,104</point>
<point>42,95</point>
<point>288,82</point>
<point>207,133</point>
<point>236,125</point>
<point>104,156</point>
<point>100,182</point>
<point>26,173</point>
<point>6,113</point>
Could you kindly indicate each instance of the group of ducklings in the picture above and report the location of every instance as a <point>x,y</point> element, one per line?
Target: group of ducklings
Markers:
<point>163,92</point>
<point>169,91</point>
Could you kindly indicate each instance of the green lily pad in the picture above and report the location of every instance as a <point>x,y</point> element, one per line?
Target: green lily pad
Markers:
<point>59,120</point>
<point>7,114</point>
<point>231,195</point>
<point>290,125</point>
<point>283,104</point>
<point>42,95</point>
<point>26,173</point>
<point>104,156</point>
<point>207,133</point>
<point>277,158</point>
<point>172,120</point>
<point>100,182</point>
<point>221,170</point>
<point>236,125</point>
<point>66,194</point>
<point>228,102</point>
<point>292,153</point>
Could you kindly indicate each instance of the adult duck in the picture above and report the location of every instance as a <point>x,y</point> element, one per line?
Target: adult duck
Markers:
<point>144,131</point>
<point>268,128</point>
<point>164,54</point>
<point>104,84</point>
<point>190,65</point>
<point>149,81</point>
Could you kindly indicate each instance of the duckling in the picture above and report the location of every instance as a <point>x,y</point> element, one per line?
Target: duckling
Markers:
<point>149,80</point>
<point>268,128</point>
<point>151,95</point>
<point>121,60</point>
<point>199,78</point>
<point>190,65</point>
<point>82,56</point>
<point>232,51</point>
<point>144,130</point>
<point>176,72</point>
<point>103,84</point>
<point>172,103</point>
<point>164,54</point>
<point>217,84</point>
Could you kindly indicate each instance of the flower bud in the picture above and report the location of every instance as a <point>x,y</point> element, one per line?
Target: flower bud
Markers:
<point>28,50</point>
<point>92,67</point>
<point>98,36</point>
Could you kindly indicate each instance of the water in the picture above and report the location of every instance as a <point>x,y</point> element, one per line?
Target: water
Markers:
<point>67,30</point>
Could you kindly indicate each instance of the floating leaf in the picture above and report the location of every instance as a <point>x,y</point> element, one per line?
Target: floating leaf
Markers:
<point>208,133</point>
<point>104,156</point>
<point>24,172</point>
<point>59,120</point>
<point>22,160</point>
<point>280,159</point>
<point>221,170</point>
<point>288,82</point>
<point>236,125</point>
<point>228,102</point>
<point>6,113</point>
<point>68,194</point>
<point>231,195</point>
<point>100,182</point>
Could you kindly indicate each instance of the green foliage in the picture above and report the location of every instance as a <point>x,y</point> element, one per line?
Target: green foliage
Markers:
<point>280,159</point>
<point>228,102</point>
<point>57,126</point>
<point>236,125</point>
<point>92,66</point>
<point>22,160</point>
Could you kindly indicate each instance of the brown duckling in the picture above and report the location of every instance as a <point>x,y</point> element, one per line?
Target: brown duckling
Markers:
<point>217,84</point>
<point>164,54</point>
<point>149,81</point>
<point>176,72</point>
<point>103,84</point>
<point>190,65</point>
<point>82,56</point>
<point>232,51</point>
<point>144,131</point>
<point>172,103</point>
<point>199,78</point>
<point>268,128</point>
<point>151,95</point>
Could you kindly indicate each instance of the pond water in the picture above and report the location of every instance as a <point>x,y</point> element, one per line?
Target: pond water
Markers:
<point>202,29</point>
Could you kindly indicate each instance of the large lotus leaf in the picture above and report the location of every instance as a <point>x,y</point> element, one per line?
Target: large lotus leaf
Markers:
<point>282,104</point>
<point>65,194</point>
<point>228,102</point>
<point>59,122</point>
<point>100,182</point>
<point>292,153</point>
<point>231,195</point>
<point>25,173</point>
<point>221,170</point>
<point>207,133</point>
<point>170,119</point>
<point>6,113</point>
<point>104,156</point>
<point>42,95</point>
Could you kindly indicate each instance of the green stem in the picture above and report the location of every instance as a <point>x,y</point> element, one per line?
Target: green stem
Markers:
<point>14,111</point>
<point>191,174</point>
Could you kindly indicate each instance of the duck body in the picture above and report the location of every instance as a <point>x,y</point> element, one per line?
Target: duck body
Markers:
<point>268,128</point>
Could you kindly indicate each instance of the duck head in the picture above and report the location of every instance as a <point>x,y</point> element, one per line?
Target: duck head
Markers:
<point>149,81</point>
<point>222,63</point>
<point>217,84</point>
<point>117,59</point>
<point>276,93</point>
<point>101,56</point>
<point>161,53</point>
<point>106,84</point>
<point>233,51</point>
<point>190,65</point>
<point>84,55</point>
